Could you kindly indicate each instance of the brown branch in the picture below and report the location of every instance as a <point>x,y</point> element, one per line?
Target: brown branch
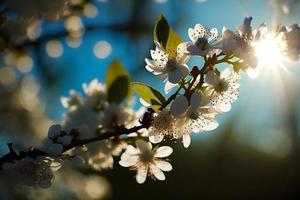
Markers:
<point>34,153</point>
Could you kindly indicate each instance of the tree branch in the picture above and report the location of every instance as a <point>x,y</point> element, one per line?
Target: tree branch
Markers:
<point>34,153</point>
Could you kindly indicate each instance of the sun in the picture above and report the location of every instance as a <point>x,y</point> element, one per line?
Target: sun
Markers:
<point>270,51</point>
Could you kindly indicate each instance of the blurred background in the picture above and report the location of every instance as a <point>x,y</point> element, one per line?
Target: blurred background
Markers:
<point>255,152</point>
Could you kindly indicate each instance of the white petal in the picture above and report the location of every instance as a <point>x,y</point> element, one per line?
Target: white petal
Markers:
<point>195,100</point>
<point>182,53</point>
<point>226,73</point>
<point>154,67</point>
<point>131,150</point>
<point>195,51</point>
<point>211,78</point>
<point>223,106</point>
<point>163,152</point>
<point>157,138</point>
<point>54,131</point>
<point>175,76</point>
<point>169,86</point>
<point>163,165</point>
<point>213,34</point>
<point>212,125</point>
<point>141,174</point>
<point>186,139</point>
<point>192,35</point>
<point>144,103</point>
<point>157,172</point>
<point>65,140</point>
<point>128,162</point>
<point>179,106</point>
<point>142,145</point>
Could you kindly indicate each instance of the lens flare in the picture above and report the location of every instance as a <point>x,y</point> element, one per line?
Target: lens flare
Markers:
<point>270,51</point>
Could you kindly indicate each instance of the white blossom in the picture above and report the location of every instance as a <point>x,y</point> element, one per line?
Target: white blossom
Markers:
<point>292,36</point>
<point>239,44</point>
<point>65,140</point>
<point>54,131</point>
<point>31,172</point>
<point>146,161</point>
<point>96,93</point>
<point>223,89</point>
<point>202,40</point>
<point>171,69</point>
<point>82,118</point>
<point>115,115</point>
<point>194,116</point>
<point>51,148</point>
<point>163,125</point>
<point>100,154</point>
<point>71,102</point>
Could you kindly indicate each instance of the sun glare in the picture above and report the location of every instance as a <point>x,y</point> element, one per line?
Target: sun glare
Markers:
<point>269,51</point>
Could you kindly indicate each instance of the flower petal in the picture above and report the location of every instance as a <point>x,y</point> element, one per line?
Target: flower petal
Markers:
<point>141,174</point>
<point>157,172</point>
<point>179,106</point>
<point>169,86</point>
<point>143,146</point>
<point>157,138</point>
<point>144,103</point>
<point>163,152</point>
<point>211,78</point>
<point>163,165</point>
<point>195,100</point>
<point>186,139</point>
<point>182,53</point>
<point>129,161</point>
<point>226,73</point>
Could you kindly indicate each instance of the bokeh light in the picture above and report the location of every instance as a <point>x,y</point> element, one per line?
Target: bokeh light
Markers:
<point>102,49</point>
<point>54,48</point>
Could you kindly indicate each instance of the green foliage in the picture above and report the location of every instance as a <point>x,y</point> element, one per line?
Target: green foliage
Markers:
<point>237,67</point>
<point>166,36</point>
<point>117,82</point>
<point>149,94</point>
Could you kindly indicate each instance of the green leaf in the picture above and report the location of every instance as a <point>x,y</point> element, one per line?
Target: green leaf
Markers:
<point>149,94</point>
<point>166,36</point>
<point>161,30</point>
<point>237,67</point>
<point>117,82</point>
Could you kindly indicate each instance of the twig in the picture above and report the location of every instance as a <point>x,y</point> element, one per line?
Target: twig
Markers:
<point>34,153</point>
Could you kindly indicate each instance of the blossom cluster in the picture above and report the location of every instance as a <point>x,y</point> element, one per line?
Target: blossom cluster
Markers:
<point>102,123</point>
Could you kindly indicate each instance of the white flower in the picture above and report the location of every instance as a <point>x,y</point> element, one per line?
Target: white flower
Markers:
<point>52,149</point>
<point>65,140</point>
<point>71,102</point>
<point>172,69</point>
<point>83,117</point>
<point>146,160</point>
<point>100,154</point>
<point>193,117</point>
<point>96,93</point>
<point>115,115</point>
<point>31,172</point>
<point>245,30</point>
<point>223,90</point>
<point>163,125</point>
<point>202,40</point>
<point>233,43</point>
<point>239,44</point>
<point>292,36</point>
<point>54,131</point>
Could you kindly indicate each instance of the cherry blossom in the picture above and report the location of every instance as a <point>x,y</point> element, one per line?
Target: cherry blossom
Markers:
<point>147,161</point>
